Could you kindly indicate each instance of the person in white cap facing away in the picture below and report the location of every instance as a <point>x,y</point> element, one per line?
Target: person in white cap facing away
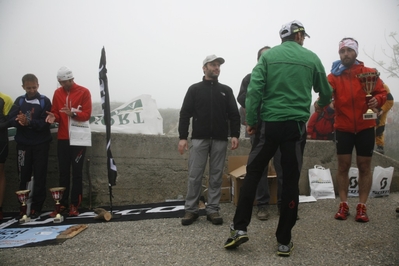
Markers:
<point>70,101</point>
<point>214,112</point>
<point>281,84</point>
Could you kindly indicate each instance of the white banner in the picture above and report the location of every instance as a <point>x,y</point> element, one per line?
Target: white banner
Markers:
<point>138,116</point>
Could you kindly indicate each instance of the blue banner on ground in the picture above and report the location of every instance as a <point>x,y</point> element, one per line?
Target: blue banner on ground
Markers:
<point>23,237</point>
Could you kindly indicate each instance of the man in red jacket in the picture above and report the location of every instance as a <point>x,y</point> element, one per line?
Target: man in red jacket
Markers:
<point>69,101</point>
<point>351,128</point>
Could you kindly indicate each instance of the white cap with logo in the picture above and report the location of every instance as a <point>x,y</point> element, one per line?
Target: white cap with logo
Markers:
<point>64,73</point>
<point>291,28</point>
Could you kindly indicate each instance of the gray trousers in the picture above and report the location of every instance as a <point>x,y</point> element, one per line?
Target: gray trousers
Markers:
<point>200,150</point>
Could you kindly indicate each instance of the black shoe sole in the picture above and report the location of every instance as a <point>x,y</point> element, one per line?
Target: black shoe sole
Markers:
<point>218,221</point>
<point>189,221</point>
<point>235,243</point>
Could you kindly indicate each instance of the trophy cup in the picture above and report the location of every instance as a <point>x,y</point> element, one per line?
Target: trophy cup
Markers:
<point>23,196</point>
<point>56,193</point>
<point>368,81</point>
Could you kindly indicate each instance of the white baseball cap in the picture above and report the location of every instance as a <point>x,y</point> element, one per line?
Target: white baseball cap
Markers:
<point>64,73</point>
<point>211,58</point>
<point>292,27</point>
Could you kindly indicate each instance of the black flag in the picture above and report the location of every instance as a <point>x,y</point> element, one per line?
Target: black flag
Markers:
<point>107,121</point>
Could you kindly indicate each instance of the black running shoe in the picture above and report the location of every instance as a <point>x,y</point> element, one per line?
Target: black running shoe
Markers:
<point>237,237</point>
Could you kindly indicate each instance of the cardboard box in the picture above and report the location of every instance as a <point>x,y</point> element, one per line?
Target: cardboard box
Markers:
<point>237,170</point>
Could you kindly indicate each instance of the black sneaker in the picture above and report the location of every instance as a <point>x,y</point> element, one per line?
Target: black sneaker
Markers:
<point>215,218</point>
<point>237,237</point>
<point>34,214</point>
<point>285,250</point>
<point>189,218</point>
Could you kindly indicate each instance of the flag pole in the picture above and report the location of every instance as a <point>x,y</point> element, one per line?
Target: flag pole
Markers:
<point>111,167</point>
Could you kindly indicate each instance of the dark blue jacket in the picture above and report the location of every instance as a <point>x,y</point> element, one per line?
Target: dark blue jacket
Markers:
<point>38,130</point>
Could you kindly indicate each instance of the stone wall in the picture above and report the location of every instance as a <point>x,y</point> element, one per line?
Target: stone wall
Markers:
<point>150,169</point>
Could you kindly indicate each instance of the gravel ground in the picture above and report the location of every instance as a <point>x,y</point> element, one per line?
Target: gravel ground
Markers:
<point>319,240</point>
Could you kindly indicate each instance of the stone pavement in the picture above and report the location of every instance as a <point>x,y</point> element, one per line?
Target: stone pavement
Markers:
<point>319,240</point>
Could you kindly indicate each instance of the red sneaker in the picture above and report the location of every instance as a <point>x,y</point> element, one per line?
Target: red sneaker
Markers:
<point>73,210</point>
<point>361,215</point>
<point>343,211</point>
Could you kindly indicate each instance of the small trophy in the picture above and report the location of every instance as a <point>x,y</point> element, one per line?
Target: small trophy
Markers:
<point>368,81</point>
<point>23,196</point>
<point>56,193</point>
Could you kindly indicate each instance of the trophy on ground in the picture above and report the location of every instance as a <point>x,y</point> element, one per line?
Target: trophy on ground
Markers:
<point>23,196</point>
<point>56,193</point>
<point>368,81</point>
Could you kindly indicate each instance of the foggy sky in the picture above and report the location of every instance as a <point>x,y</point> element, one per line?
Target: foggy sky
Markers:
<point>157,47</point>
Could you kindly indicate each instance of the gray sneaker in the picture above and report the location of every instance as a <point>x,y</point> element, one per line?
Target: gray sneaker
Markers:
<point>215,218</point>
<point>263,212</point>
<point>237,237</point>
<point>284,250</point>
<point>189,218</point>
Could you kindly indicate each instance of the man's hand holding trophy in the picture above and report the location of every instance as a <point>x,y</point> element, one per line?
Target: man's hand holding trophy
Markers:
<point>368,81</point>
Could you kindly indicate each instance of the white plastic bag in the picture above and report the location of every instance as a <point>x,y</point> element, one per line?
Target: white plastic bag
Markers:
<point>382,178</point>
<point>320,181</point>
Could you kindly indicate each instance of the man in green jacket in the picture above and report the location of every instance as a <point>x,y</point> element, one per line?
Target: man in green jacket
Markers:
<point>281,83</point>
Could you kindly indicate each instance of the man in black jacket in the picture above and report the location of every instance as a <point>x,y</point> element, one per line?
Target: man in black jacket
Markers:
<point>213,109</point>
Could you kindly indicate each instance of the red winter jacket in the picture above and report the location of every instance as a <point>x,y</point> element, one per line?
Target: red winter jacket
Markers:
<point>321,125</point>
<point>79,98</point>
<point>350,99</point>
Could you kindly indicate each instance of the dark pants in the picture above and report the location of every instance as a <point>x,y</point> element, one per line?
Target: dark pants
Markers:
<point>33,160</point>
<point>71,156</point>
<point>290,136</point>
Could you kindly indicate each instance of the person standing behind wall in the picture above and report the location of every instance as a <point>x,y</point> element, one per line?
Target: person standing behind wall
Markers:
<point>67,98</point>
<point>212,107</point>
<point>321,124</point>
<point>33,137</point>
<point>5,107</point>
<point>381,120</point>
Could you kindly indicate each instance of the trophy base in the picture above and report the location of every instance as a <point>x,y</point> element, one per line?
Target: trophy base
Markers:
<point>24,219</point>
<point>369,116</point>
<point>58,219</point>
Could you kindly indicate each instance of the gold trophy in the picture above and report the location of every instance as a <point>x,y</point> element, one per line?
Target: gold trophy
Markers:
<point>368,81</point>
<point>56,193</point>
<point>23,196</point>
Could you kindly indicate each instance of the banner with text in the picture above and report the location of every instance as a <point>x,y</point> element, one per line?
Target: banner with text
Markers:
<point>138,116</point>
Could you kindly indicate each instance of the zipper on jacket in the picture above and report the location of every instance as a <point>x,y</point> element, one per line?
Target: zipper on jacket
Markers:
<point>211,91</point>
<point>353,102</point>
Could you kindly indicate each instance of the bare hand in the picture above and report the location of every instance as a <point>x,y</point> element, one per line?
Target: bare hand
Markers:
<point>234,143</point>
<point>22,119</point>
<point>373,103</point>
<point>67,111</point>
<point>251,130</point>
<point>182,146</point>
<point>50,117</point>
